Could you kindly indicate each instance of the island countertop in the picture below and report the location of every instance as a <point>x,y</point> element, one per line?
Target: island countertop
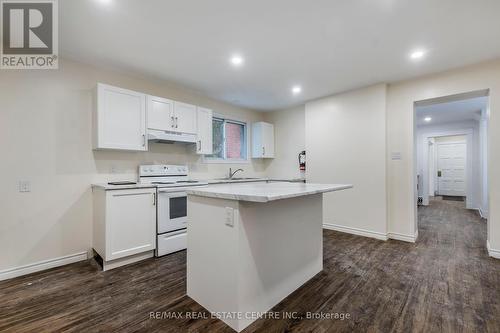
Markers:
<point>264,192</point>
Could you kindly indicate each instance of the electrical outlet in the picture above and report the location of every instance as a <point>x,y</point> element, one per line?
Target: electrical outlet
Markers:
<point>230,216</point>
<point>24,186</point>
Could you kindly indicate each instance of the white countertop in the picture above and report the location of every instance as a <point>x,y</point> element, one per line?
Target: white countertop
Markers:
<point>264,192</point>
<point>108,187</point>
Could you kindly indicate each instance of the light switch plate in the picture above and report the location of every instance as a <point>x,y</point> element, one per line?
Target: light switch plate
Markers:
<point>24,186</point>
<point>396,155</point>
<point>229,216</point>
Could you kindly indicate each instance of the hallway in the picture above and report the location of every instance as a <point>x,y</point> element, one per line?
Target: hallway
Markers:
<point>449,226</point>
<point>460,279</point>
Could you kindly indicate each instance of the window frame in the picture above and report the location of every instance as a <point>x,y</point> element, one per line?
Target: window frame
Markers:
<point>246,135</point>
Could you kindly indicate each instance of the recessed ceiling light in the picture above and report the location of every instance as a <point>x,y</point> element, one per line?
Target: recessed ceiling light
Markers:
<point>105,2</point>
<point>296,90</point>
<point>417,54</point>
<point>427,119</point>
<point>237,60</point>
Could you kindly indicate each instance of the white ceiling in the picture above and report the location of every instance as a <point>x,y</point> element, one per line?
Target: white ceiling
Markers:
<point>325,46</point>
<point>469,109</point>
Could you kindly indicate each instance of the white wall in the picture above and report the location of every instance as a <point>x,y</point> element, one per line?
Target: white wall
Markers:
<point>473,166</point>
<point>400,121</point>
<point>289,134</point>
<point>45,137</point>
<point>346,143</point>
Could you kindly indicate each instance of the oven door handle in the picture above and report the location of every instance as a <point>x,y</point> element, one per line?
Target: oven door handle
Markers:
<point>173,194</point>
<point>179,189</point>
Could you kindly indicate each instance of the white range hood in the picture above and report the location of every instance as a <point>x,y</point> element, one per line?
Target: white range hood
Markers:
<point>170,137</point>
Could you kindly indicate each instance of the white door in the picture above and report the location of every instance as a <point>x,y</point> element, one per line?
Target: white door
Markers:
<point>451,168</point>
<point>204,144</point>
<point>121,119</point>
<point>160,113</point>
<point>130,222</point>
<point>184,118</point>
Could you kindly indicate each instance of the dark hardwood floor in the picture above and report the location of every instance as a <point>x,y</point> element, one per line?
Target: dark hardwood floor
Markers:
<point>444,283</point>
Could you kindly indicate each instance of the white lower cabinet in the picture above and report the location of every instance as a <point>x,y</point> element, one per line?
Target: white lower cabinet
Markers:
<point>124,223</point>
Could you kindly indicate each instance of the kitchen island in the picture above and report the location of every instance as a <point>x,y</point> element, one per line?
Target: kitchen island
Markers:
<point>250,245</point>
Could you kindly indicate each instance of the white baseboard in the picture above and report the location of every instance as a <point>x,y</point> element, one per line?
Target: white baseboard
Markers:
<point>372,234</point>
<point>492,252</point>
<point>355,231</point>
<point>42,265</point>
<point>403,237</point>
<point>107,265</point>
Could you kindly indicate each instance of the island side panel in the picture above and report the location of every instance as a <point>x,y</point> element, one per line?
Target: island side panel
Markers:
<point>212,255</point>
<point>280,248</point>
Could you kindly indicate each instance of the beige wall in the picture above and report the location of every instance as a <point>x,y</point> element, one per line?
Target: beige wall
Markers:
<point>346,143</point>
<point>400,131</point>
<point>289,134</point>
<point>45,137</point>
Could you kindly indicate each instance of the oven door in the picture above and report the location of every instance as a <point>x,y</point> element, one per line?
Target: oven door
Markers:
<point>172,210</point>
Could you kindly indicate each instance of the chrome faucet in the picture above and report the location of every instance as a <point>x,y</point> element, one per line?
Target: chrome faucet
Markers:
<point>231,173</point>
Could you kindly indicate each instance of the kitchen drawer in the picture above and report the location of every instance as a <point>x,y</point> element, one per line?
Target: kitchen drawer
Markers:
<point>171,242</point>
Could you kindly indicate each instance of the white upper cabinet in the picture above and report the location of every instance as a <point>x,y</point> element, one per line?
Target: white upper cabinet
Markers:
<point>204,139</point>
<point>160,114</point>
<point>120,119</point>
<point>262,140</point>
<point>184,118</point>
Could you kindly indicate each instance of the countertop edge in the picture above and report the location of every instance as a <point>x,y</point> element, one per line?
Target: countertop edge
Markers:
<point>264,198</point>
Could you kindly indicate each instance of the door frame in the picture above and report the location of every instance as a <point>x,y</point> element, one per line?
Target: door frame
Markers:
<point>437,162</point>
<point>468,132</point>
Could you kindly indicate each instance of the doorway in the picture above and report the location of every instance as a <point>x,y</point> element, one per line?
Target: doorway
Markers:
<point>451,151</point>
<point>450,160</point>
<point>446,168</point>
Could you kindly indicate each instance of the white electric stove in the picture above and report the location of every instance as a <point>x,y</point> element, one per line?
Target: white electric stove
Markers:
<point>171,182</point>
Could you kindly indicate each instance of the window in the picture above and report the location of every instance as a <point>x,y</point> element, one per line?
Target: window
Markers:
<point>229,140</point>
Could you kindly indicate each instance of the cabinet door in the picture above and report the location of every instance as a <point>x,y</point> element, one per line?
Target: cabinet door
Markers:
<point>257,148</point>
<point>268,140</point>
<point>185,118</point>
<point>262,140</point>
<point>160,113</point>
<point>121,119</point>
<point>130,222</point>
<point>204,144</point>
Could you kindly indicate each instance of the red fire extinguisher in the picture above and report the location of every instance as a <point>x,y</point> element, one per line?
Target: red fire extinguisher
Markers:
<point>302,161</point>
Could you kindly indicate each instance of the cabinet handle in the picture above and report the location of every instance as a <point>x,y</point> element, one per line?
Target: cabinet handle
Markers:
<point>176,122</point>
<point>144,140</point>
<point>173,121</point>
<point>199,145</point>
<point>154,199</point>
<point>263,151</point>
